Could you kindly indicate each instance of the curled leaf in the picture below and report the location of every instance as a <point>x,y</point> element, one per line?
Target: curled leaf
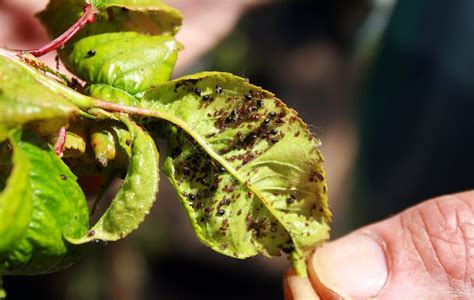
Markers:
<point>136,195</point>
<point>59,209</point>
<point>15,200</point>
<point>128,48</point>
<point>247,169</point>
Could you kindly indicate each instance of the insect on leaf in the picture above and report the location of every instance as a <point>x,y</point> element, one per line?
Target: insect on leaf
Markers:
<point>246,168</point>
<point>129,47</point>
<point>26,96</point>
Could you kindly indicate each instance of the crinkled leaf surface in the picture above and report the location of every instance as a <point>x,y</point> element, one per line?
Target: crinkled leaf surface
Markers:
<point>247,169</point>
<point>27,95</point>
<point>128,48</point>
<point>15,199</point>
<point>136,195</point>
<point>59,208</point>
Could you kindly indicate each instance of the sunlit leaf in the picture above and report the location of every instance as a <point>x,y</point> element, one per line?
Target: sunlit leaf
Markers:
<point>27,95</point>
<point>247,169</point>
<point>128,48</point>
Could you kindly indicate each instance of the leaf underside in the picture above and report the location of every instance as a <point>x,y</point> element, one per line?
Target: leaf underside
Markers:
<point>247,169</point>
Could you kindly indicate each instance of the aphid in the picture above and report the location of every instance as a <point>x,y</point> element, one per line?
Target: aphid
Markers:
<point>272,114</point>
<point>248,97</point>
<point>266,121</point>
<point>197,91</point>
<point>192,197</point>
<point>91,233</point>
<point>222,169</point>
<point>91,53</point>
<point>128,142</point>
<point>63,177</point>
<point>291,199</point>
<point>274,131</point>
<point>218,89</point>
<point>206,97</point>
<point>288,249</point>
<point>220,212</point>
<point>259,103</point>
<point>250,138</point>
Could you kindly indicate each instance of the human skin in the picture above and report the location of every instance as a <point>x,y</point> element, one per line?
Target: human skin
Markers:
<point>425,252</point>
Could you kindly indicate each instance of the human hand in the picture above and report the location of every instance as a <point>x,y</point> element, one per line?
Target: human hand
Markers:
<point>425,252</point>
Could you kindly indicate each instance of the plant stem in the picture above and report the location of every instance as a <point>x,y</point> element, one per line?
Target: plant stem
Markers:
<point>59,146</point>
<point>87,17</point>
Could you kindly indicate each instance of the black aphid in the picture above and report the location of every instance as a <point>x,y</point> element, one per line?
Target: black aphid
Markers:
<point>90,53</point>
<point>63,177</point>
<point>259,103</point>
<point>288,249</point>
<point>274,131</point>
<point>220,212</point>
<point>222,169</point>
<point>206,97</point>
<point>197,91</point>
<point>218,89</point>
<point>272,114</point>
<point>191,197</point>
<point>128,142</point>
<point>248,96</point>
<point>266,121</point>
<point>291,199</point>
<point>250,138</point>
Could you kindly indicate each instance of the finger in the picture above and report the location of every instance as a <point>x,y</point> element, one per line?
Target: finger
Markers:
<point>425,252</point>
<point>297,288</point>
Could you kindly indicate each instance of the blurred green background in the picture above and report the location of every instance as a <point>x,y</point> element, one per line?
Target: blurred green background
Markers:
<point>385,84</point>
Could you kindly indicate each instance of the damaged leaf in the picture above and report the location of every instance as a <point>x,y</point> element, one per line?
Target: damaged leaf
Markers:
<point>247,169</point>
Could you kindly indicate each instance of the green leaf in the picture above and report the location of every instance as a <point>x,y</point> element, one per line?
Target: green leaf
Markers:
<point>127,61</point>
<point>128,48</point>
<point>27,95</point>
<point>136,195</point>
<point>247,169</point>
<point>59,209</point>
<point>15,201</point>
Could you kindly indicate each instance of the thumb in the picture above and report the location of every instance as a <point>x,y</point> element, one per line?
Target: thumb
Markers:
<point>425,252</point>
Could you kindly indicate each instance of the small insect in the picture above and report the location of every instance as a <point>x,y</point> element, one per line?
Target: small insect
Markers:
<point>272,114</point>
<point>248,96</point>
<point>197,91</point>
<point>218,89</point>
<point>259,103</point>
<point>91,53</point>
<point>63,177</point>
<point>206,97</point>
<point>220,212</point>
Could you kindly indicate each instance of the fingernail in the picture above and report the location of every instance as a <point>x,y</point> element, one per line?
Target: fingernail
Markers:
<point>353,267</point>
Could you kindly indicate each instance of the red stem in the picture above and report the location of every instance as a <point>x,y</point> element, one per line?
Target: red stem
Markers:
<point>59,145</point>
<point>87,17</point>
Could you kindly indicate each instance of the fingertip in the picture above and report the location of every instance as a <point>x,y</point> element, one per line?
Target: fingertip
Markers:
<point>298,288</point>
